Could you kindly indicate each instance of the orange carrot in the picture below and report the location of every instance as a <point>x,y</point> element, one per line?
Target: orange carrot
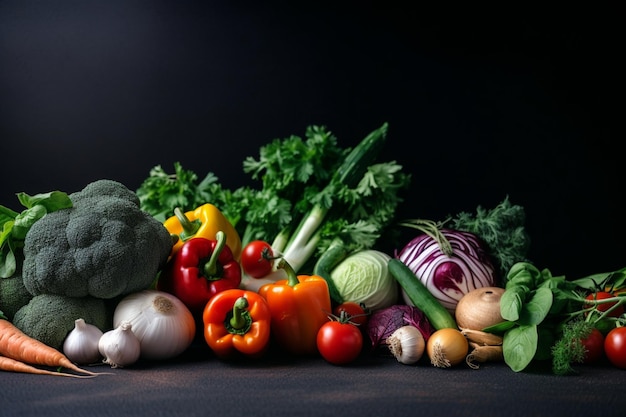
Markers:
<point>11,365</point>
<point>17,345</point>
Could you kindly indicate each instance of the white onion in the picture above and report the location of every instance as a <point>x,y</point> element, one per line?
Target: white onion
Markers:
<point>448,278</point>
<point>164,326</point>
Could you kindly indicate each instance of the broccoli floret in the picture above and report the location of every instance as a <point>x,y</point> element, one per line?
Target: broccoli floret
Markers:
<point>104,246</point>
<point>13,292</point>
<point>49,318</point>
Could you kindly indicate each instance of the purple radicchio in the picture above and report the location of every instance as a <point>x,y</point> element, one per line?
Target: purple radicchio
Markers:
<point>450,263</point>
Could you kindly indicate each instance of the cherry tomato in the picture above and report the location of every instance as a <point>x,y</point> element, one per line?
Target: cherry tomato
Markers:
<point>339,342</point>
<point>357,313</point>
<point>257,259</point>
<point>602,295</point>
<point>615,346</point>
<point>594,346</point>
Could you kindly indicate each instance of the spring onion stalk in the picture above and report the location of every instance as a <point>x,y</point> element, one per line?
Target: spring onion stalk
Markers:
<point>332,219</point>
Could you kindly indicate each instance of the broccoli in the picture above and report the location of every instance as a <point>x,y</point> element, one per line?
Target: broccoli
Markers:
<point>49,317</point>
<point>13,293</point>
<point>103,246</point>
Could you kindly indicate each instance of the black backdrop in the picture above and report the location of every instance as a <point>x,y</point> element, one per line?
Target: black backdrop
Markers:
<point>480,105</point>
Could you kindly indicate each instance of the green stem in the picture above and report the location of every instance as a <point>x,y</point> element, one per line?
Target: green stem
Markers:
<point>210,268</point>
<point>240,320</point>
<point>431,229</point>
<point>190,228</point>
<point>292,277</point>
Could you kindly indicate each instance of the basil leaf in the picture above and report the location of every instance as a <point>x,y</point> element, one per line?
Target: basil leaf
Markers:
<point>512,301</point>
<point>52,201</point>
<point>8,263</point>
<point>536,308</point>
<point>26,219</point>
<point>519,345</point>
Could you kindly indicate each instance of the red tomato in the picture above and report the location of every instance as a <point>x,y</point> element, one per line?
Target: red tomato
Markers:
<point>594,346</point>
<point>615,346</point>
<point>339,342</point>
<point>602,295</point>
<point>257,259</point>
<point>356,313</point>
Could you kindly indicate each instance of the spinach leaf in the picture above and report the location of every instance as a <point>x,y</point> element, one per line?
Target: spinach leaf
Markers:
<point>519,345</point>
<point>512,301</point>
<point>536,308</point>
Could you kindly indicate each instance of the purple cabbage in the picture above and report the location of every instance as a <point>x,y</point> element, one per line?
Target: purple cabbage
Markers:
<point>382,323</point>
<point>449,276</point>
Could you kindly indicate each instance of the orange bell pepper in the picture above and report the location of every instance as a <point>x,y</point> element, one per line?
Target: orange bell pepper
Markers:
<point>299,305</point>
<point>205,221</point>
<point>237,321</point>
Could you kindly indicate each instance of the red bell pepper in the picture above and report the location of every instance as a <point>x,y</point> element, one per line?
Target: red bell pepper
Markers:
<point>200,269</point>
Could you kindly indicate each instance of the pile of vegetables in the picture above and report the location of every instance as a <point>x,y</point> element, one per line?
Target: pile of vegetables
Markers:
<point>314,196</point>
<point>108,275</point>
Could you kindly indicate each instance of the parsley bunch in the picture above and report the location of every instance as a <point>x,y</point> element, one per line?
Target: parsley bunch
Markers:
<point>314,193</point>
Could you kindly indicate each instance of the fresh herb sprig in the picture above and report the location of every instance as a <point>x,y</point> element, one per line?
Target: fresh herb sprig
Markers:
<point>501,229</point>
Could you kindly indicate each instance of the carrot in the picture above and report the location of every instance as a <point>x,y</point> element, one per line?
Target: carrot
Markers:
<point>17,345</point>
<point>11,365</point>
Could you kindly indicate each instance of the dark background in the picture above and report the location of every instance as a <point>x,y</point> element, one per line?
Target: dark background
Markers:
<point>481,103</point>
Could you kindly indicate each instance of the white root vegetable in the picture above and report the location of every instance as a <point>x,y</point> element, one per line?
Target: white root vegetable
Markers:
<point>482,354</point>
<point>482,338</point>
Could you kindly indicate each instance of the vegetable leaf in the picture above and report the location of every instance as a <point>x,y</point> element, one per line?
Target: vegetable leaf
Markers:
<point>15,225</point>
<point>535,309</point>
<point>519,345</point>
<point>512,301</point>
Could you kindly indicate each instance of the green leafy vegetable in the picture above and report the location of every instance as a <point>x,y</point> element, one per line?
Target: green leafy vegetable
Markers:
<point>314,194</point>
<point>15,225</point>
<point>545,313</point>
<point>161,193</point>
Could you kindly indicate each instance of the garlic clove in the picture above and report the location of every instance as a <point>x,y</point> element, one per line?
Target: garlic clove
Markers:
<point>407,344</point>
<point>81,344</point>
<point>120,347</point>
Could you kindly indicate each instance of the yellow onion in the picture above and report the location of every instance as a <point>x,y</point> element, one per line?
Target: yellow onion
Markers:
<point>479,308</point>
<point>447,347</point>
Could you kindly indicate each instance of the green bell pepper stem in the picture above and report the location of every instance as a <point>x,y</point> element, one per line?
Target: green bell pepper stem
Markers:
<point>240,321</point>
<point>210,268</point>
<point>189,227</point>
<point>292,277</point>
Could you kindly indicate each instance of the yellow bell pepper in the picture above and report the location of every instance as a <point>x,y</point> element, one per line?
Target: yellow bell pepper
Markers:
<point>205,221</point>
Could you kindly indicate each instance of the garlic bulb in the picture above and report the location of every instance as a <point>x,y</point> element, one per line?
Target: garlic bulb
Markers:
<point>407,344</point>
<point>164,326</point>
<point>120,347</point>
<point>81,344</point>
